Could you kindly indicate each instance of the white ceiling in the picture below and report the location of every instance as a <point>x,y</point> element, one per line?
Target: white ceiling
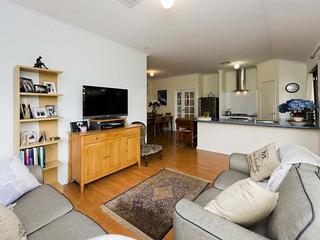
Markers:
<point>196,35</point>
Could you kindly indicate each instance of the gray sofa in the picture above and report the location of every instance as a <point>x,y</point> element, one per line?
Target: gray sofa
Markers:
<point>296,215</point>
<point>46,214</point>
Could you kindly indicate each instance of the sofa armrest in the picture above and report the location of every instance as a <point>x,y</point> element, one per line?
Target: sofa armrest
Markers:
<point>191,221</point>
<point>36,171</point>
<point>239,162</point>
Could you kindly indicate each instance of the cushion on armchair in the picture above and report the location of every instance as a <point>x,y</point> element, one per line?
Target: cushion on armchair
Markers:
<point>10,225</point>
<point>244,203</point>
<point>263,162</point>
<point>15,180</point>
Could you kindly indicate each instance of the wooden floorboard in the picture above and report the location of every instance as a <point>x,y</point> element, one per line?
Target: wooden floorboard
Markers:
<point>203,164</point>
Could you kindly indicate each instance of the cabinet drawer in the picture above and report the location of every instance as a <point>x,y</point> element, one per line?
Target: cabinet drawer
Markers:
<point>131,131</point>
<point>95,138</point>
<point>114,134</point>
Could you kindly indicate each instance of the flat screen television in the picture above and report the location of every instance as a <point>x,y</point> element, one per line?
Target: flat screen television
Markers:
<point>102,102</point>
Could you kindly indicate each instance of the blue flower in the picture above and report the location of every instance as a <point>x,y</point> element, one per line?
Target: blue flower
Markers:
<point>297,105</point>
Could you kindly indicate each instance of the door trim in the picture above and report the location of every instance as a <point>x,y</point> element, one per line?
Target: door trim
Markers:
<point>274,98</point>
<point>196,98</point>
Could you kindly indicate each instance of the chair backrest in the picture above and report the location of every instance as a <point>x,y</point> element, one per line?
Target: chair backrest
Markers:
<point>158,118</point>
<point>167,117</point>
<point>143,132</point>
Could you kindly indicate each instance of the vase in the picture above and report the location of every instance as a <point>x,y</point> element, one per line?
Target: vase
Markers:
<point>298,116</point>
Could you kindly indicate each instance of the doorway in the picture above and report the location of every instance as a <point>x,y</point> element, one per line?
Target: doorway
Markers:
<point>186,105</point>
<point>267,100</point>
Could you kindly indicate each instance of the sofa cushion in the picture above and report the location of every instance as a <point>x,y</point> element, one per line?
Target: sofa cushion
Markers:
<point>207,196</point>
<point>227,178</point>
<point>15,180</point>
<point>10,225</point>
<point>73,225</point>
<point>263,162</point>
<point>295,216</point>
<point>40,207</point>
<point>244,203</point>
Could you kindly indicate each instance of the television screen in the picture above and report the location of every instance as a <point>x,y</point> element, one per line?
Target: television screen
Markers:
<point>104,102</point>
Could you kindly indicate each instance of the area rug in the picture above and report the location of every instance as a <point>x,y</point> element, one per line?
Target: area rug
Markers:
<point>147,209</point>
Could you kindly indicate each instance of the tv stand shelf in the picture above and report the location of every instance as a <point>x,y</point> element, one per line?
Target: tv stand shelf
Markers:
<point>96,154</point>
<point>107,120</point>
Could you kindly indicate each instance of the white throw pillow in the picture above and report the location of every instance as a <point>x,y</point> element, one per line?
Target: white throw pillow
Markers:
<point>15,180</point>
<point>263,162</point>
<point>10,226</point>
<point>244,203</point>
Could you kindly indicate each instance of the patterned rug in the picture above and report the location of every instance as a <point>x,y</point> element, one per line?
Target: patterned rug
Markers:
<point>147,209</point>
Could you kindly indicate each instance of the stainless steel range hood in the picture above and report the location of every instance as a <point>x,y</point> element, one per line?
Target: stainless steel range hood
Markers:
<point>241,81</point>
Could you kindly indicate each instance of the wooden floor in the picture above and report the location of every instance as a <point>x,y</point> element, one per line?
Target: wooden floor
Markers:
<point>198,163</point>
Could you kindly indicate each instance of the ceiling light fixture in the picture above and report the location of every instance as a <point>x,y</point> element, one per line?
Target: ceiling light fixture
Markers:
<point>236,66</point>
<point>167,3</point>
<point>151,74</point>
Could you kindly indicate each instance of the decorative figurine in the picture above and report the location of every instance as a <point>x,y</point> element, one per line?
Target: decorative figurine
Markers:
<point>39,63</point>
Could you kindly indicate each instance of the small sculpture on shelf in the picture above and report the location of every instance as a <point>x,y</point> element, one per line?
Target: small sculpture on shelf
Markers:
<point>39,63</point>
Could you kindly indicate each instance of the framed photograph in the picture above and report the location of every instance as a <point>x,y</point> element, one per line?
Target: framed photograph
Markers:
<point>27,137</point>
<point>77,126</point>
<point>51,87</point>
<point>40,88</point>
<point>26,85</point>
<point>162,97</point>
<point>39,112</point>
<point>25,111</point>
<point>51,110</point>
<point>43,136</point>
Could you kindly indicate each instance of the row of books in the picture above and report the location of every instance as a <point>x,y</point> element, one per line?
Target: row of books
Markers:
<point>33,156</point>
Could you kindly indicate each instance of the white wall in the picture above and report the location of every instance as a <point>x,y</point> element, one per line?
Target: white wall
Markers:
<point>171,84</point>
<point>284,72</point>
<point>203,83</point>
<point>210,84</point>
<point>239,103</point>
<point>85,58</point>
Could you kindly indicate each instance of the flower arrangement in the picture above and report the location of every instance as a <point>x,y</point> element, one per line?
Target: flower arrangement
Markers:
<point>297,106</point>
<point>154,104</point>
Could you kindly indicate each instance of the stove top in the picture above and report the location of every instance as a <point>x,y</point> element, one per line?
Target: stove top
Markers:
<point>240,114</point>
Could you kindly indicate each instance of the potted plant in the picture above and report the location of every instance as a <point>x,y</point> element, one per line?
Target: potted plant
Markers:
<point>154,104</point>
<point>298,108</point>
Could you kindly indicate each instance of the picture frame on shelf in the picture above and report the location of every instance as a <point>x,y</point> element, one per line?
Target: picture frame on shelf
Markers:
<point>40,88</point>
<point>26,85</point>
<point>39,112</point>
<point>25,111</point>
<point>43,136</point>
<point>51,111</point>
<point>51,87</point>
<point>27,137</point>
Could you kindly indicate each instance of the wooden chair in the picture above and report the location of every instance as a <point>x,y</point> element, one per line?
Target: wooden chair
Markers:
<point>186,131</point>
<point>166,122</point>
<point>150,121</point>
<point>157,124</point>
<point>146,148</point>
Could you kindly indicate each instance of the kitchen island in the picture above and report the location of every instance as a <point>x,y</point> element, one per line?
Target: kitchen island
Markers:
<point>228,136</point>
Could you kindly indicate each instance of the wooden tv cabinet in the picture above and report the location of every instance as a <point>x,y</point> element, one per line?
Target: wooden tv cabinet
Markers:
<point>97,154</point>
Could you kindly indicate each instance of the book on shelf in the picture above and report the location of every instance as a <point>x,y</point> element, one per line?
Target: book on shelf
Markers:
<point>33,156</point>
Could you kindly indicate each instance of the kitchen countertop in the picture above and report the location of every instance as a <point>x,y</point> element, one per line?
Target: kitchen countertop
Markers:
<point>260,123</point>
